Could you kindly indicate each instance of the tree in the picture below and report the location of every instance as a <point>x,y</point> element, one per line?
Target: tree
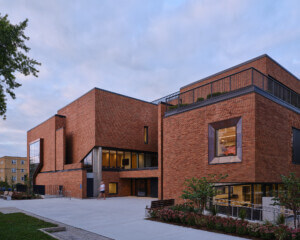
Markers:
<point>290,196</point>
<point>201,190</point>
<point>13,59</point>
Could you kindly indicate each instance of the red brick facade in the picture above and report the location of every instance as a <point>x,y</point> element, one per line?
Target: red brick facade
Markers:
<point>108,120</point>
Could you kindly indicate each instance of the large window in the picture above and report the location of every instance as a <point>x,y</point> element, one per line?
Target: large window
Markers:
<point>226,141</point>
<point>116,159</point>
<point>35,156</point>
<point>88,162</point>
<point>296,146</point>
<point>34,152</point>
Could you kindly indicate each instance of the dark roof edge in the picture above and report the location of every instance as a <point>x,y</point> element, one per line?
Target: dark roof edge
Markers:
<point>12,157</point>
<point>124,96</point>
<point>96,88</point>
<point>55,115</point>
<point>239,65</point>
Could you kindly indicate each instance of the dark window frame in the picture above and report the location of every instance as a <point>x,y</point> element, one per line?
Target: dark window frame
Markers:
<point>294,153</point>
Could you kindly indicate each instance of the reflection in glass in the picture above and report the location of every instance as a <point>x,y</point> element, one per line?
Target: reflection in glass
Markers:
<point>119,159</point>
<point>141,160</point>
<point>34,158</point>
<point>127,160</point>
<point>88,162</point>
<point>226,142</point>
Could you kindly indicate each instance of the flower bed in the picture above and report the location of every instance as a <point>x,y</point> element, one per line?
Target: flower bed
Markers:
<point>225,225</point>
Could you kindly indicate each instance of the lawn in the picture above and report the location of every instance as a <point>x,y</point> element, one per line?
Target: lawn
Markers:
<point>22,227</point>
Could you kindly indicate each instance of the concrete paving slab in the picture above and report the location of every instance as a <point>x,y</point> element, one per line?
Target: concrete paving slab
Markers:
<point>118,218</point>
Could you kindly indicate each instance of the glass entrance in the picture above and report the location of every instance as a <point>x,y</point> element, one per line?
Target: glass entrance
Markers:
<point>141,187</point>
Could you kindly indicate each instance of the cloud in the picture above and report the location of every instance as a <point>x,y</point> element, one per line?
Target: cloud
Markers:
<point>144,49</point>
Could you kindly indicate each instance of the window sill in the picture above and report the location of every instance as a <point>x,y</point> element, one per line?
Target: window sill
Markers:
<point>229,159</point>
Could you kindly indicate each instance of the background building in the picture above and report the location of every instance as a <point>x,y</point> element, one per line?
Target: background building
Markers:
<point>13,169</point>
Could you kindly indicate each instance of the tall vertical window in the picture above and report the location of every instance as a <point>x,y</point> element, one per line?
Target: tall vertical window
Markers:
<point>34,158</point>
<point>296,146</point>
<point>22,162</point>
<point>105,158</point>
<point>34,152</point>
<point>146,135</point>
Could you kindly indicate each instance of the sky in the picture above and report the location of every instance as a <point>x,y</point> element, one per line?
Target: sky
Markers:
<point>140,48</point>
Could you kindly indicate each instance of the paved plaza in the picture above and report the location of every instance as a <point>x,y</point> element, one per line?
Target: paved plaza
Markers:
<point>116,218</point>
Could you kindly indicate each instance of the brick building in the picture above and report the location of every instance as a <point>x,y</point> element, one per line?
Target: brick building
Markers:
<point>13,169</point>
<point>243,121</point>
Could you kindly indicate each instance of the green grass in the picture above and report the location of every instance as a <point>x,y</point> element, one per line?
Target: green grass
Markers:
<point>18,226</point>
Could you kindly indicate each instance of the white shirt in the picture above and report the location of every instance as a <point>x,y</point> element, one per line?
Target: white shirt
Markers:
<point>102,187</point>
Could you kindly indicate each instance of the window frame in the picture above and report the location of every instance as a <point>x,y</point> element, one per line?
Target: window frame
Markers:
<point>212,128</point>
<point>14,161</point>
<point>13,170</point>
<point>294,160</point>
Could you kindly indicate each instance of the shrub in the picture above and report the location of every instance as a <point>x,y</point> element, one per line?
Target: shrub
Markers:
<point>176,106</point>
<point>213,210</point>
<point>280,219</point>
<point>242,214</point>
<point>200,99</point>
<point>185,207</point>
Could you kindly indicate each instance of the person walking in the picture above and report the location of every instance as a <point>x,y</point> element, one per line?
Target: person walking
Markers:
<point>102,191</point>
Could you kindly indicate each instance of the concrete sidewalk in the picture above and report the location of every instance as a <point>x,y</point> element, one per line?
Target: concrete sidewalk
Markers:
<point>117,218</point>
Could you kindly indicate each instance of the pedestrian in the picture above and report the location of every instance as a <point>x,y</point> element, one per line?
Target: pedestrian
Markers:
<point>102,191</point>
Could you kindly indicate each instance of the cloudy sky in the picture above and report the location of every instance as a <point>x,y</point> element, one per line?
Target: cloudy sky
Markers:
<point>141,48</point>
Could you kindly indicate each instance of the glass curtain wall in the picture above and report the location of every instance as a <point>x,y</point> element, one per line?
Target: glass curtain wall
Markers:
<point>34,158</point>
<point>115,159</point>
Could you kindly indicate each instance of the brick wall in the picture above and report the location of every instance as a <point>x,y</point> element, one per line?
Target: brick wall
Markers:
<point>274,140</point>
<point>72,181</point>
<point>79,127</point>
<point>46,131</point>
<point>185,144</point>
<point>120,122</point>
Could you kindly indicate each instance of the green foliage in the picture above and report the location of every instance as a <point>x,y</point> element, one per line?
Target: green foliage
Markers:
<point>20,226</point>
<point>290,196</point>
<point>4,184</point>
<point>185,207</point>
<point>242,214</point>
<point>13,59</point>
<point>215,94</point>
<point>280,219</point>
<point>200,190</point>
<point>200,99</point>
<point>176,106</point>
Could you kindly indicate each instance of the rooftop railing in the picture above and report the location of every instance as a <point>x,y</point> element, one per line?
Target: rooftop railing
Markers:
<point>232,83</point>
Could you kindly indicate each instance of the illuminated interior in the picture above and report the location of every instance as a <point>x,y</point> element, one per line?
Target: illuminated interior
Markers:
<point>112,188</point>
<point>226,142</point>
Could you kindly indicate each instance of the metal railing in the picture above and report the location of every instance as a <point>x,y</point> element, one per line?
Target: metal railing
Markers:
<point>231,83</point>
<point>164,99</point>
<point>254,212</point>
